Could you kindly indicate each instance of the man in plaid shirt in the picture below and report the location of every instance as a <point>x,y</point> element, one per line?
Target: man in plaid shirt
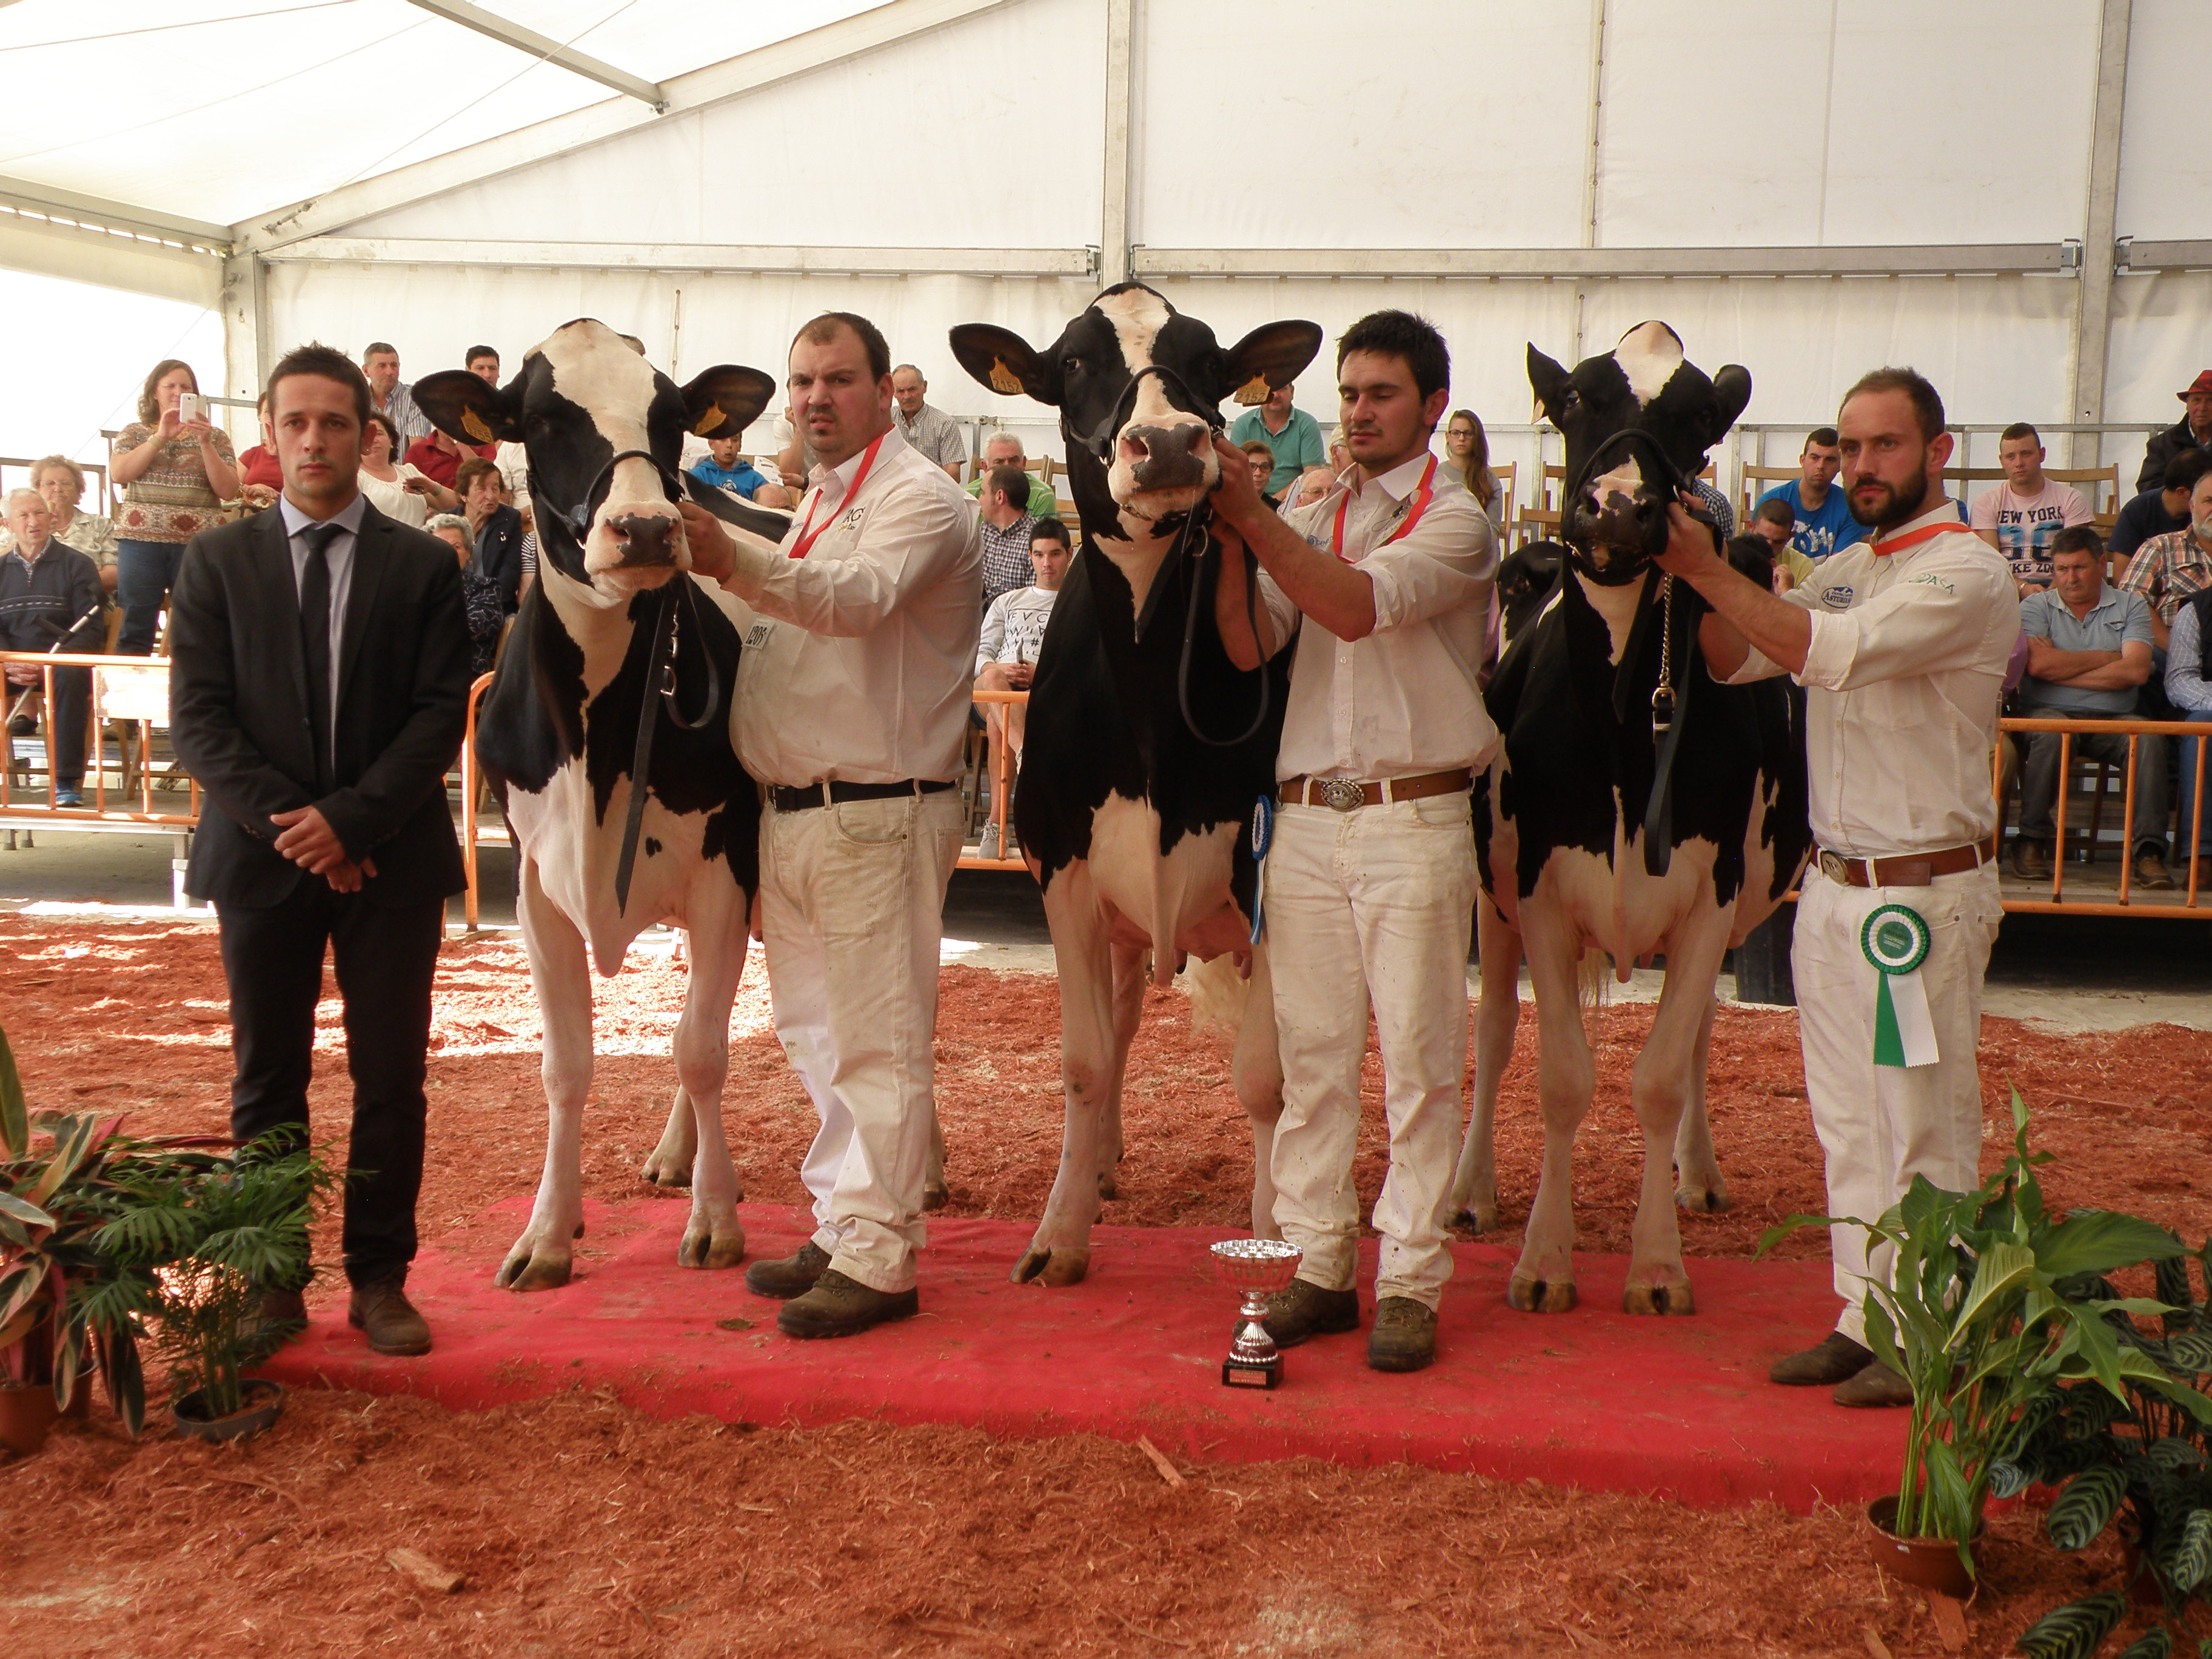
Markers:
<point>2170,569</point>
<point>1007,528</point>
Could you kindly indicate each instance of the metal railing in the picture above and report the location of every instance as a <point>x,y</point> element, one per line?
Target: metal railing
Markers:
<point>2124,904</point>
<point>133,692</point>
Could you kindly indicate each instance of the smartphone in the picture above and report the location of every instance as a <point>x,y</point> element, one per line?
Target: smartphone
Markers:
<point>190,406</point>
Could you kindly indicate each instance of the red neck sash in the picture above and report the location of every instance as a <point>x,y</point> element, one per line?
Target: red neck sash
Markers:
<point>1912,538</point>
<point>807,531</point>
<point>1416,504</point>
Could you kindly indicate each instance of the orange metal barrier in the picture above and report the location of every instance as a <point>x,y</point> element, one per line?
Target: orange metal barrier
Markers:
<point>1002,788</point>
<point>2125,904</point>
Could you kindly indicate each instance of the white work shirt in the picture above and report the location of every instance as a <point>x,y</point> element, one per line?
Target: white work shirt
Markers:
<point>861,662</point>
<point>1402,702</point>
<point>1904,674</point>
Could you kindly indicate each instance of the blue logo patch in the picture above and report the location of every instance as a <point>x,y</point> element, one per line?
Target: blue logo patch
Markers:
<point>1836,598</point>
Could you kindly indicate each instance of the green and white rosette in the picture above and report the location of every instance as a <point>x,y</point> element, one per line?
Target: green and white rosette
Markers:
<point>1895,939</point>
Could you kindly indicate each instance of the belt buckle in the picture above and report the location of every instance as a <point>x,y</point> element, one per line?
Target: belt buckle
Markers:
<point>1342,794</point>
<point>1836,868</point>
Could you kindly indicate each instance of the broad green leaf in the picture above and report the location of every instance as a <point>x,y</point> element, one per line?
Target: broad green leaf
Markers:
<point>2073,1630</point>
<point>24,1211</point>
<point>2190,1351</point>
<point>2085,1508</point>
<point>21,1284</point>
<point>2098,1241</point>
<point>14,1118</point>
<point>2152,1643</point>
<point>2009,1480</point>
<point>2192,1561</point>
<point>2002,1269</point>
<point>14,1330</point>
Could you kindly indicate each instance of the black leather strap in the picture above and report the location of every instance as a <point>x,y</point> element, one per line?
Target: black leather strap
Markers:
<point>786,799</point>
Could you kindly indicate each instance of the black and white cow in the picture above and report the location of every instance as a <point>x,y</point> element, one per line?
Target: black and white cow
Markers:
<point>1136,825</point>
<point>557,731</point>
<point>1599,830</point>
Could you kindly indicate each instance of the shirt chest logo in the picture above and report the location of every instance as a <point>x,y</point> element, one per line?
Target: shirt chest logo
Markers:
<point>1837,597</point>
<point>852,519</point>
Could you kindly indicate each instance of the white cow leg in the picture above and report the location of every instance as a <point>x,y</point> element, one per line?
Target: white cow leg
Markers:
<point>1660,1088</point>
<point>669,1163</point>
<point>1060,1253</point>
<point>561,977</point>
<point>1257,1071</point>
<point>1129,978</point>
<point>1698,1187</point>
<point>1544,1278</point>
<point>1497,1015</point>
<point>713,1237</point>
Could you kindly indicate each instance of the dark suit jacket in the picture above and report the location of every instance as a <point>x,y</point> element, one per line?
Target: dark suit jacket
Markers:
<point>499,555</point>
<point>238,696</point>
<point>2163,448</point>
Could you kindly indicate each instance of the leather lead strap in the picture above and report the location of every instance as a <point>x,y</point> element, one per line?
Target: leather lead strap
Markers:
<point>660,688</point>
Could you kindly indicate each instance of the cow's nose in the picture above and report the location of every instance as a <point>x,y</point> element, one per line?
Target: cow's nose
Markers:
<point>1167,457</point>
<point>644,538</point>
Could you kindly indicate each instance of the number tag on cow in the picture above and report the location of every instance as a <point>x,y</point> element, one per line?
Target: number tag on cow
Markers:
<point>757,635</point>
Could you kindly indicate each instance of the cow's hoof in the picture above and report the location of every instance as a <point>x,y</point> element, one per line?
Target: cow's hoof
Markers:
<point>1056,1267</point>
<point>1539,1295</point>
<point>935,1196</point>
<point>1698,1199</point>
<point>1483,1217</point>
<point>663,1170</point>
<point>704,1247</point>
<point>528,1270</point>
<point>1659,1299</point>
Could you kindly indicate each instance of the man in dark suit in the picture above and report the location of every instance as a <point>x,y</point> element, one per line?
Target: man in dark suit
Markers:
<point>318,680</point>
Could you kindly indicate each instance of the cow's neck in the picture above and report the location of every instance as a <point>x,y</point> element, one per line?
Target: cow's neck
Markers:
<point>1135,547</point>
<point>1617,606</point>
<point>601,624</point>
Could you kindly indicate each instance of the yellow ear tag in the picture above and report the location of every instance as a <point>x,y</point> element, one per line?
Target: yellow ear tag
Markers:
<point>473,424</point>
<point>1003,378</point>
<point>712,419</point>
<point>1253,391</point>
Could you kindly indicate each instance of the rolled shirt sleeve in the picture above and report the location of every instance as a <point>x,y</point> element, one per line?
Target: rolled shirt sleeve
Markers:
<point>1440,564</point>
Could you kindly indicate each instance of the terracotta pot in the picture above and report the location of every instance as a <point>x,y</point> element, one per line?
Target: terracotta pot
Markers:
<point>27,1412</point>
<point>1925,1563</point>
<point>265,1404</point>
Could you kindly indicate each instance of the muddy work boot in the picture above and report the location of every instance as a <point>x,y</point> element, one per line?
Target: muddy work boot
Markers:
<point>1874,1385</point>
<point>1305,1311</point>
<point>1404,1337</point>
<point>1835,1358</point>
<point>792,1276</point>
<point>838,1306</point>
<point>382,1313</point>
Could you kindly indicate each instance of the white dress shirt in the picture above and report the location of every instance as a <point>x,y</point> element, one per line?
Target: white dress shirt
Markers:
<point>1402,702</point>
<point>861,660</point>
<point>1904,674</point>
<point>339,557</point>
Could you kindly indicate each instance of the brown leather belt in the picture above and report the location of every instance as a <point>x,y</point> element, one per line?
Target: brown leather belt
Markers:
<point>1347,794</point>
<point>1916,869</point>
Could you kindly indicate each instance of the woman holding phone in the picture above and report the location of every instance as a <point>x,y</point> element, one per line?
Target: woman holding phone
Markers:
<point>176,470</point>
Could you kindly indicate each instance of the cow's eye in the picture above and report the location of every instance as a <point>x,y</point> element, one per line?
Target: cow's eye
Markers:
<point>1070,365</point>
<point>1573,399</point>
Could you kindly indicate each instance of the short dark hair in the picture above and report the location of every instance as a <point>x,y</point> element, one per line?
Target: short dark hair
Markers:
<point>2019,429</point>
<point>1049,529</point>
<point>1402,335</point>
<point>472,468</point>
<point>1825,436</point>
<point>329,362</point>
<point>474,352</point>
<point>150,406</point>
<point>1927,402</point>
<point>820,331</point>
<point>2078,538</point>
<point>391,430</point>
<point>1258,446</point>
<point>375,346</point>
<point>2183,471</point>
<point>1777,511</point>
<point>1011,481</point>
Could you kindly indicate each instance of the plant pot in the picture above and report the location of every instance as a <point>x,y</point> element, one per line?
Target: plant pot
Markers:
<point>265,1404</point>
<point>1930,1564</point>
<point>27,1412</point>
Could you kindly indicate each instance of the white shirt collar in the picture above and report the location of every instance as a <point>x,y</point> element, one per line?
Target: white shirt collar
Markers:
<point>1944,509</point>
<point>1401,480</point>
<point>349,516</point>
<point>834,480</point>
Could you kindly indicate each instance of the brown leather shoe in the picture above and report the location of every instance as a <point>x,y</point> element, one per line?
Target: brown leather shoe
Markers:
<point>1305,1311</point>
<point>2030,862</point>
<point>1833,1359</point>
<point>794,1275</point>
<point>2151,871</point>
<point>383,1312</point>
<point>1404,1336</point>
<point>1875,1385</point>
<point>272,1321</point>
<point>838,1306</point>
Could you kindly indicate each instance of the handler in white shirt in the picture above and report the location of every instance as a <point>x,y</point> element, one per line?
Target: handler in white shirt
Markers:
<point>851,705</point>
<point>1370,882</point>
<point>1901,642</point>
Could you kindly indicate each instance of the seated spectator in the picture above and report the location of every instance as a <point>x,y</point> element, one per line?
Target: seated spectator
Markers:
<point>2189,688</point>
<point>1262,460</point>
<point>2022,516</point>
<point>2088,655</point>
<point>51,601</point>
<point>725,469</point>
<point>391,396</point>
<point>1339,453</point>
<point>1466,447</point>
<point>2158,512</point>
<point>402,493</point>
<point>1821,519</point>
<point>258,472</point>
<point>60,481</point>
<point>1291,436</point>
<point>2167,570</point>
<point>1007,526</point>
<point>176,474</point>
<point>1003,449</point>
<point>1006,653</point>
<point>2192,431</point>
<point>480,593</point>
<point>494,529</point>
<point>932,435</point>
<point>438,456</point>
<point>1774,523</point>
<point>795,459</point>
<point>483,362</point>
<point>1716,507</point>
<point>1313,484</point>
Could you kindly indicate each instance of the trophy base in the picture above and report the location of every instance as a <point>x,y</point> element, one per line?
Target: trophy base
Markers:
<point>1252,1373</point>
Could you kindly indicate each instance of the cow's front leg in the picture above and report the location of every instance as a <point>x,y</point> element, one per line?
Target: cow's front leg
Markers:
<point>1544,1278</point>
<point>669,1163</point>
<point>1474,1183</point>
<point>714,1236</point>
<point>1660,1089</point>
<point>1060,1253</point>
<point>561,976</point>
<point>1698,1186</point>
<point>1129,978</point>
<point>1257,1071</point>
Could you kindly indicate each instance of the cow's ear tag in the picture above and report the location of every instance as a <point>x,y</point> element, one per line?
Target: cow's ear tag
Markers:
<point>1004,379</point>
<point>1253,391</point>
<point>473,423</point>
<point>711,419</point>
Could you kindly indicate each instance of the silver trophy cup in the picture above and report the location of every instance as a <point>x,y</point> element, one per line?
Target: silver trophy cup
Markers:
<point>1257,1267</point>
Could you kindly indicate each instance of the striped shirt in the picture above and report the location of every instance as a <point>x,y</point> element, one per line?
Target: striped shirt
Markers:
<point>2167,569</point>
<point>1007,557</point>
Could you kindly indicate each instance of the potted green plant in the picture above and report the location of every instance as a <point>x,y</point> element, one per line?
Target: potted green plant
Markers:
<point>1993,1303</point>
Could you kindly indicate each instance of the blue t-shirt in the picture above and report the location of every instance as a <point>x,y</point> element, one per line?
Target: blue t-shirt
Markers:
<point>1818,534</point>
<point>742,479</point>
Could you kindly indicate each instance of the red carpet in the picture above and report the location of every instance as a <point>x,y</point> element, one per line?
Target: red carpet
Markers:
<point>1591,1399</point>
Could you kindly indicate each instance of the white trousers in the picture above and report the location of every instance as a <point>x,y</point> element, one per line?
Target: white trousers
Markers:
<point>1370,905</point>
<point>1880,1126</point>
<point>853,913</point>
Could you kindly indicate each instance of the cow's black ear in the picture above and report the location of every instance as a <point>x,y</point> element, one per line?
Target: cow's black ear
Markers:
<point>1001,360</point>
<point>462,405</point>
<point>1271,355</point>
<point>1732,388</point>
<point>726,399</point>
<point>1549,381</point>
